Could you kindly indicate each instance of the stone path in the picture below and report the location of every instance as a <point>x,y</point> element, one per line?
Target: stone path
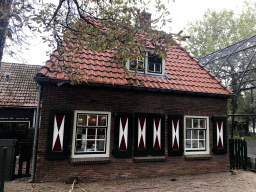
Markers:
<point>237,181</point>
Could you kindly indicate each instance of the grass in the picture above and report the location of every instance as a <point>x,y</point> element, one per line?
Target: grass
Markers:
<point>248,137</point>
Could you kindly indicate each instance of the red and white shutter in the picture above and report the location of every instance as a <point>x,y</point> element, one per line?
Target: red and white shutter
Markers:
<point>220,134</point>
<point>142,133</point>
<point>175,133</point>
<point>157,133</point>
<point>123,133</point>
<point>58,133</point>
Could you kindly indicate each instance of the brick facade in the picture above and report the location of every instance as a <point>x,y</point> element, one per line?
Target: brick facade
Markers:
<point>123,100</point>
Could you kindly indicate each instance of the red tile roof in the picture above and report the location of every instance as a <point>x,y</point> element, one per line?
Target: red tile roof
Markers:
<point>182,72</point>
<point>17,85</point>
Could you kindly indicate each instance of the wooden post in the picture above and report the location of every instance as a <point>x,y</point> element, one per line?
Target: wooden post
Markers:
<point>245,154</point>
<point>3,152</point>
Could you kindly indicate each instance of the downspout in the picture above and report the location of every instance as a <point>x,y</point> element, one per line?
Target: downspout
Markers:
<point>34,155</point>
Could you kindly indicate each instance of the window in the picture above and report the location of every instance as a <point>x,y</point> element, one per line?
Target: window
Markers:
<point>154,63</point>
<point>196,135</point>
<point>91,134</point>
<point>150,64</point>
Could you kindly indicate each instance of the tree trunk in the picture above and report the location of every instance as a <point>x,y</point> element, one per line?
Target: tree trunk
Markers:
<point>5,5</point>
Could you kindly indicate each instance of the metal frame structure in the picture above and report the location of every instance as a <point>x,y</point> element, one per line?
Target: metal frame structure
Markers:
<point>235,66</point>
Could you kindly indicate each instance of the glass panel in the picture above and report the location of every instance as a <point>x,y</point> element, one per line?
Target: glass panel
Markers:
<point>20,126</point>
<point>201,144</point>
<point>188,123</point>
<point>133,65</point>
<point>83,146</point>
<point>151,66</point>
<point>188,134</point>
<point>140,65</point>
<point>82,120</point>
<point>195,123</point>
<point>79,146</point>
<point>79,133</point>
<point>90,146</point>
<point>91,134</point>
<point>188,144</point>
<point>92,119</point>
<point>201,134</point>
<point>158,67</point>
<point>202,123</point>
<point>101,134</point>
<point>100,145</point>
<point>194,134</point>
<point>194,143</point>
<point>102,120</point>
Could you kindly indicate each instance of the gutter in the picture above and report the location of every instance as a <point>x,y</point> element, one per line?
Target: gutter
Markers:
<point>47,80</point>
<point>35,144</point>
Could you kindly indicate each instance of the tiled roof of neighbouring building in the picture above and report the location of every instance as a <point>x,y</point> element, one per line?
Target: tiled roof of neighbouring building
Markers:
<point>17,84</point>
<point>182,72</point>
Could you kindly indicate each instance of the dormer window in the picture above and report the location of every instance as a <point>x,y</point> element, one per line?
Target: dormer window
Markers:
<point>149,64</point>
<point>138,64</point>
<point>154,63</point>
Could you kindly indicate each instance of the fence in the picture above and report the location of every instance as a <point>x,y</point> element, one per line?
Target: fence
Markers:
<point>238,153</point>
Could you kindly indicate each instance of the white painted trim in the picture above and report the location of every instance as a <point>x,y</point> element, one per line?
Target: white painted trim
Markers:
<point>207,138</point>
<point>146,67</point>
<point>73,155</point>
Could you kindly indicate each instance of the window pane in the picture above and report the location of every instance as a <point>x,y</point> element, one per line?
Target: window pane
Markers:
<point>202,123</point>
<point>158,67</point>
<point>92,119</point>
<point>133,65</point>
<point>188,134</point>
<point>82,120</point>
<point>188,144</point>
<point>188,123</point>
<point>201,144</point>
<point>140,64</point>
<point>79,133</point>
<point>194,134</point>
<point>91,134</point>
<point>102,120</point>
<point>195,123</point>
<point>90,146</point>
<point>79,146</point>
<point>101,134</point>
<point>100,145</point>
<point>201,134</point>
<point>194,143</point>
<point>151,66</point>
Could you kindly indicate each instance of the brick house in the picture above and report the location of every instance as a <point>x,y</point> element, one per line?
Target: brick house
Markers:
<point>18,100</point>
<point>169,120</point>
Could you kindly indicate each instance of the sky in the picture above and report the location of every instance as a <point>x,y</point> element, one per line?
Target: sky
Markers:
<point>182,11</point>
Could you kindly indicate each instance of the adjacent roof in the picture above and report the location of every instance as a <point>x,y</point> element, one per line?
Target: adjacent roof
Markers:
<point>182,73</point>
<point>17,85</point>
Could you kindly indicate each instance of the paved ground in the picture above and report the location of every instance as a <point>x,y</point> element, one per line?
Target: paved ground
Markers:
<point>251,148</point>
<point>237,181</point>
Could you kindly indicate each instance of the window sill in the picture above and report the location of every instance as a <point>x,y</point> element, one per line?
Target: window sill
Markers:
<point>197,157</point>
<point>149,159</point>
<point>85,161</point>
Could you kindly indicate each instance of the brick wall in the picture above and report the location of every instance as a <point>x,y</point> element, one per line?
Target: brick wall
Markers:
<point>113,100</point>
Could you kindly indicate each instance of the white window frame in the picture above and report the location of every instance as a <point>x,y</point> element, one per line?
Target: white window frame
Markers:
<point>207,141</point>
<point>146,67</point>
<point>91,155</point>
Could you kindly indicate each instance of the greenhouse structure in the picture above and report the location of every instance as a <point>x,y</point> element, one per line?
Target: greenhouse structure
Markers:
<point>235,66</point>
